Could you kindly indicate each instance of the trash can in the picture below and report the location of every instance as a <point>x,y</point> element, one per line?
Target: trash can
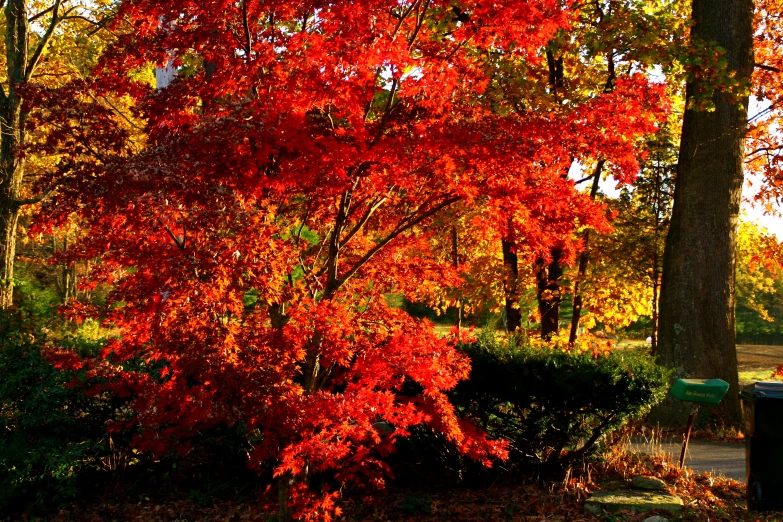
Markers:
<point>762,411</point>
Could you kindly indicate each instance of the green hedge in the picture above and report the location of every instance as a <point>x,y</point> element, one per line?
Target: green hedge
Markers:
<point>52,432</point>
<point>555,406</point>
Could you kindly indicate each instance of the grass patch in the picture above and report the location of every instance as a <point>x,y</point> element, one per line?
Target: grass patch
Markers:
<point>751,376</point>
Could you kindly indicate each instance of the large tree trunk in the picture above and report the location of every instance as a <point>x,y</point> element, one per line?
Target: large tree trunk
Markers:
<point>8,223</point>
<point>11,139</point>
<point>697,335</point>
<point>11,175</point>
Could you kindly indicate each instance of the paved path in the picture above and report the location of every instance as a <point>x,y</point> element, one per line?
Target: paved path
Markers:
<point>714,457</point>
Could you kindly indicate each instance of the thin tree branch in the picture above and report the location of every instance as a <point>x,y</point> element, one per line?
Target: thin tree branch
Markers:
<point>37,199</point>
<point>120,113</point>
<point>39,15</point>
<point>33,63</point>
<point>406,225</point>
<point>386,112</point>
<point>419,23</point>
<point>588,178</point>
<point>764,149</point>
<point>177,241</point>
<point>246,26</point>
<point>403,16</point>
<point>363,221</point>
<point>767,67</point>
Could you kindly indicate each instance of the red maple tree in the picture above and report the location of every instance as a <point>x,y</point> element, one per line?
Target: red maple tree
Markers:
<point>290,178</point>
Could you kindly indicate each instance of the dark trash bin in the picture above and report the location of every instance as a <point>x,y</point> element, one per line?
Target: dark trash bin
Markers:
<point>762,411</point>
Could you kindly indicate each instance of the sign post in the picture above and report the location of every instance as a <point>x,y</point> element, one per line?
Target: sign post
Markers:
<point>697,391</point>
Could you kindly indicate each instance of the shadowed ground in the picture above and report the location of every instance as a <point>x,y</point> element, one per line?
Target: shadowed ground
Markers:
<point>717,458</point>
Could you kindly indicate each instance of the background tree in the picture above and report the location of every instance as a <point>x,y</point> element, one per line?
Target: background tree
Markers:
<point>609,39</point>
<point>759,285</point>
<point>628,262</point>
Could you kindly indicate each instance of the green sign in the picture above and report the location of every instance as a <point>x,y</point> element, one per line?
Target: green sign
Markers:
<point>709,391</point>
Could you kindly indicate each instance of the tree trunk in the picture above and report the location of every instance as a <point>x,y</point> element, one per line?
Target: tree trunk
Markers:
<point>697,336</point>
<point>11,175</point>
<point>656,286</point>
<point>584,258</point>
<point>11,139</point>
<point>549,294</point>
<point>455,263</point>
<point>511,263</point>
<point>284,484</point>
<point>8,222</point>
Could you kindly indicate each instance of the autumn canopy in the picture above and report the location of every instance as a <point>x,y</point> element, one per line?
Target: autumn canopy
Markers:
<point>308,159</point>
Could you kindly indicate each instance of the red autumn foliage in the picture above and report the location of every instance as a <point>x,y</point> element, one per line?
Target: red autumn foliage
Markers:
<point>289,181</point>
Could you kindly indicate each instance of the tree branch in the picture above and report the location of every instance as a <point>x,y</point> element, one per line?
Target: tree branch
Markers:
<point>764,149</point>
<point>767,67</point>
<point>588,178</point>
<point>36,58</point>
<point>406,225</point>
<point>37,199</point>
<point>363,221</point>
<point>39,15</point>
<point>177,241</point>
<point>403,16</point>
<point>386,112</point>
<point>419,23</point>
<point>246,26</point>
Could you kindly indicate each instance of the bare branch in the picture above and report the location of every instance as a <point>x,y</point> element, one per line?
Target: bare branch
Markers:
<point>37,199</point>
<point>36,58</point>
<point>180,242</point>
<point>246,26</point>
<point>39,15</point>
<point>419,23</point>
<point>406,225</point>
<point>124,117</point>
<point>767,67</point>
<point>386,112</point>
<point>403,16</point>
<point>363,221</point>
<point>588,178</point>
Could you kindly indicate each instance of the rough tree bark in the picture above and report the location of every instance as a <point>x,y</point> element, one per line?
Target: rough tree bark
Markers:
<point>697,335</point>
<point>22,60</point>
<point>12,137</point>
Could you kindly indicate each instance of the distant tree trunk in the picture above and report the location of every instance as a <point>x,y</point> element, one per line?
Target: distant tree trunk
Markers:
<point>655,312</point>
<point>697,336</point>
<point>455,263</point>
<point>67,274</point>
<point>549,293</point>
<point>510,287</point>
<point>583,260</point>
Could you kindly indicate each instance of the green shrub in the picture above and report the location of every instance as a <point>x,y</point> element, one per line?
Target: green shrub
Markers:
<point>554,406</point>
<point>52,431</point>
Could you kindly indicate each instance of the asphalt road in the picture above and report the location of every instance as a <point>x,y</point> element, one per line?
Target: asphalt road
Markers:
<point>714,457</point>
